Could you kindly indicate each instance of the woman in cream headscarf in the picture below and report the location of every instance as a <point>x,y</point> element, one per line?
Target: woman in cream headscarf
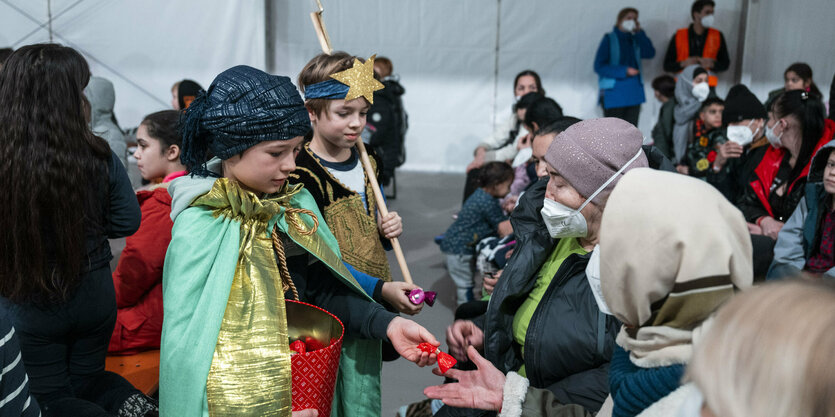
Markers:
<point>673,250</point>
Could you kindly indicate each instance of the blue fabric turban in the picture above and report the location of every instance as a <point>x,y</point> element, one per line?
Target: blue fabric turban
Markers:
<point>243,107</point>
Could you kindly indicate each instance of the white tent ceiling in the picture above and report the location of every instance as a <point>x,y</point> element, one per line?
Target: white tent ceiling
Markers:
<point>456,58</point>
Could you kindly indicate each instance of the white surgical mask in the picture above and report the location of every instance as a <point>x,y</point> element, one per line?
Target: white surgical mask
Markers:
<point>563,221</point>
<point>741,134</point>
<point>593,276</point>
<point>708,21</point>
<point>628,25</point>
<point>774,139</point>
<point>700,91</point>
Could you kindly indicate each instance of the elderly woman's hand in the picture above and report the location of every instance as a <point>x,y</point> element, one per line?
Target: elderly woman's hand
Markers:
<point>482,389</point>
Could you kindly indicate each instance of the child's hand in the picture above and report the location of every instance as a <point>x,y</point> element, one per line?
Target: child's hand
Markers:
<point>405,335</point>
<point>395,294</point>
<point>390,226</point>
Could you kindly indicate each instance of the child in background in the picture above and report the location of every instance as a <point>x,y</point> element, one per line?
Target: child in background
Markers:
<point>478,219</point>
<point>243,240</point>
<point>662,133</point>
<point>702,151</point>
<point>807,240</point>
<point>138,277</point>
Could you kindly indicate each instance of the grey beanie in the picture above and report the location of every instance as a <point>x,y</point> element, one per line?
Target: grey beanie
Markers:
<point>590,152</point>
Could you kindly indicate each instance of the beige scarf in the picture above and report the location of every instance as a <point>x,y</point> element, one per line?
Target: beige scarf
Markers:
<point>673,250</point>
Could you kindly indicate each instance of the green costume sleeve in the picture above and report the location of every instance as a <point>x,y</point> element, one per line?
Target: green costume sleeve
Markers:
<point>199,268</point>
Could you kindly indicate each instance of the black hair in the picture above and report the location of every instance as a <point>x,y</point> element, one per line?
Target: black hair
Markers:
<point>558,126</point>
<point>831,97</point>
<point>54,170</point>
<point>527,100</point>
<point>493,173</point>
<point>542,111</point>
<point>808,109</point>
<point>665,84</point>
<point>536,79</point>
<point>711,101</point>
<point>700,5</point>
<point>804,71</point>
<point>4,55</point>
<point>164,127</point>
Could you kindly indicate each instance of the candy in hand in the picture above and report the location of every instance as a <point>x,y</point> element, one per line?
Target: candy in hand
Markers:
<point>445,361</point>
<point>417,296</point>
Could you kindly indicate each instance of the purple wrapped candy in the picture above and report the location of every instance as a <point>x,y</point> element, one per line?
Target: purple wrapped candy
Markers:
<point>417,296</point>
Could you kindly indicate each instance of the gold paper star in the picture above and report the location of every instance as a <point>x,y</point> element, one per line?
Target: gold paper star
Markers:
<point>360,80</point>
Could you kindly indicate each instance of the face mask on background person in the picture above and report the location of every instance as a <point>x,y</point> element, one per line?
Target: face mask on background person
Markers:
<point>774,139</point>
<point>708,21</point>
<point>700,91</point>
<point>741,134</point>
<point>563,221</point>
<point>628,25</point>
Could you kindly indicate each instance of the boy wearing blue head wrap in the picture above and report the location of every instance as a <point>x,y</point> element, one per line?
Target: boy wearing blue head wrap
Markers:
<point>243,239</point>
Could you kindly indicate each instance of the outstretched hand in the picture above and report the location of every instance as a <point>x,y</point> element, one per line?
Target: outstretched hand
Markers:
<point>405,335</point>
<point>482,389</point>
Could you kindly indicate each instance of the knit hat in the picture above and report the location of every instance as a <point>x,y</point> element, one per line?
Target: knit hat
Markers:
<point>243,107</point>
<point>742,104</point>
<point>590,152</point>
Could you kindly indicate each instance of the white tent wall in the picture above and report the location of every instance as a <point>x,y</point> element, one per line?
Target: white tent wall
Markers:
<point>780,34</point>
<point>443,51</point>
<point>445,54</point>
<point>143,47</point>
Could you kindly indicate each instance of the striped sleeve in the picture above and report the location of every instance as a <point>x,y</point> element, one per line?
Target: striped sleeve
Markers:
<point>15,399</point>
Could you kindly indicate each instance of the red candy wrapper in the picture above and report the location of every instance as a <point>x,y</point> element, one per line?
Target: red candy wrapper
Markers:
<point>445,360</point>
<point>312,344</point>
<point>298,347</point>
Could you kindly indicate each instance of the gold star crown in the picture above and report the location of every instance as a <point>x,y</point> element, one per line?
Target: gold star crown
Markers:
<point>360,80</point>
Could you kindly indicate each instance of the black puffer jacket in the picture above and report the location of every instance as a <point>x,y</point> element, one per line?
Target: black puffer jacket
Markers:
<point>569,341</point>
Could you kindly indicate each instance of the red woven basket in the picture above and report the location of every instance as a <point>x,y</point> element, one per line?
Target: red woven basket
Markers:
<point>314,372</point>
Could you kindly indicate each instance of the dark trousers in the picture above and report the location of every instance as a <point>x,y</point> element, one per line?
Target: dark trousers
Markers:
<point>64,348</point>
<point>763,247</point>
<point>630,114</point>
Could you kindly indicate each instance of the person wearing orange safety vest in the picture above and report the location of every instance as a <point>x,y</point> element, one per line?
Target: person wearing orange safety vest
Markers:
<point>698,44</point>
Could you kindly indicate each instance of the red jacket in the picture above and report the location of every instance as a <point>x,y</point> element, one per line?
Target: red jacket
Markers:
<point>767,169</point>
<point>138,276</point>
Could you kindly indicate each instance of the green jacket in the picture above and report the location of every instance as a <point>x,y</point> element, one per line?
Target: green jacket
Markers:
<point>662,133</point>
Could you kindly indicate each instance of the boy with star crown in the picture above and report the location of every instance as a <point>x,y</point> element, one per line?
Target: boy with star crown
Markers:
<point>339,89</point>
<point>244,239</point>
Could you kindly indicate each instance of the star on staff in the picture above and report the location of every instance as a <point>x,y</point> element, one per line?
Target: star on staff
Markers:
<point>360,80</point>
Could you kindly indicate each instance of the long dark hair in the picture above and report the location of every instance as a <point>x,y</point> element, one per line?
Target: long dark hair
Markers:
<point>808,109</point>
<point>537,80</point>
<point>50,158</point>
<point>804,71</point>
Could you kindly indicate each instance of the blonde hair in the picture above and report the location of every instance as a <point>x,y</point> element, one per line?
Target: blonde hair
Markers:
<point>320,69</point>
<point>769,353</point>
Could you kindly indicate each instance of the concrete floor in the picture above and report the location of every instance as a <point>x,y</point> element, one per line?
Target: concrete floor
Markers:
<point>426,203</point>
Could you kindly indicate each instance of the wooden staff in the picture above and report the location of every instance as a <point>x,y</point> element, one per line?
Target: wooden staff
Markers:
<point>325,43</point>
<point>381,205</point>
